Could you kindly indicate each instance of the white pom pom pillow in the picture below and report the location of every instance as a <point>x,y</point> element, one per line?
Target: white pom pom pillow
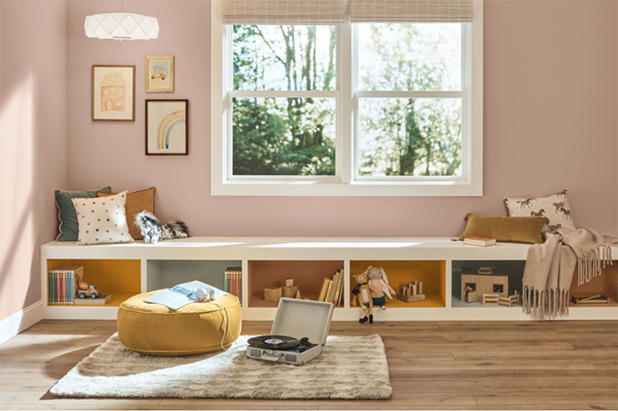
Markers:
<point>555,208</point>
<point>102,220</point>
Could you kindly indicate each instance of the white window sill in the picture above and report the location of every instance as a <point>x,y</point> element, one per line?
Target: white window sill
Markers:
<point>360,189</point>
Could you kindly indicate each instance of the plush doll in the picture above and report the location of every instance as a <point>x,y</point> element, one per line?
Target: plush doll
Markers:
<point>378,283</point>
<point>153,231</point>
<point>362,293</point>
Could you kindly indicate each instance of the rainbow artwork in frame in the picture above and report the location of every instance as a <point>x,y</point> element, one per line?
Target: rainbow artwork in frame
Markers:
<point>167,127</point>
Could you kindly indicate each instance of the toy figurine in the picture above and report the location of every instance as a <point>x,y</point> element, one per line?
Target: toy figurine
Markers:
<point>378,283</point>
<point>85,290</point>
<point>362,293</point>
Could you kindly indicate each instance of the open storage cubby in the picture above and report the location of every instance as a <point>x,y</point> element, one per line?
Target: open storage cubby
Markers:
<point>124,270</point>
<point>308,276</point>
<point>120,278</point>
<point>168,273</point>
<point>606,283</point>
<point>515,274</point>
<point>431,273</point>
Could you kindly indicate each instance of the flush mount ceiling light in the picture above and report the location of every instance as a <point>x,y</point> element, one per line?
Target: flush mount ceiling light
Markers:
<point>121,26</point>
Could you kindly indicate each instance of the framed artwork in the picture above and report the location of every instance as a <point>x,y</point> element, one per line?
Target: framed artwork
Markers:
<point>113,93</point>
<point>167,127</point>
<point>159,74</point>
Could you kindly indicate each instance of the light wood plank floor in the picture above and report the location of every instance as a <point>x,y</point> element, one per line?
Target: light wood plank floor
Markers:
<point>433,365</point>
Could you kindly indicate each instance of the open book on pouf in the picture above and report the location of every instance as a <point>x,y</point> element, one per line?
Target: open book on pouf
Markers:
<point>185,293</point>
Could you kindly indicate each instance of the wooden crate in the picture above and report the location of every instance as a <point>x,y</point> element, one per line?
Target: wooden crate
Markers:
<point>491,299</point>
<point>510,301</point>
<point>411,298</point>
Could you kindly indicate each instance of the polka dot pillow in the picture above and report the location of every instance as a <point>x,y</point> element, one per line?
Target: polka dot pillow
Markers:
<point>102,220</point>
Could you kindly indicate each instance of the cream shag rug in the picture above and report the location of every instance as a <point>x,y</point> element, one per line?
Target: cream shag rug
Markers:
<point>350,368</point>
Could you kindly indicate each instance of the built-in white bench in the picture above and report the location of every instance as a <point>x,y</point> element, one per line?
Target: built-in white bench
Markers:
<point>124,270</point>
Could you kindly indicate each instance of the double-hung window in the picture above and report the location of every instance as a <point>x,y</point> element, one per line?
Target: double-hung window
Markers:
<point>346,97</point>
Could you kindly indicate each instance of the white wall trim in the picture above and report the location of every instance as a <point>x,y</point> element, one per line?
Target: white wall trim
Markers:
<point>21,320</point>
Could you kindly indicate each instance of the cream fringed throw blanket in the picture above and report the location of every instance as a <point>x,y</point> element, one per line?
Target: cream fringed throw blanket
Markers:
<point>550,267</point>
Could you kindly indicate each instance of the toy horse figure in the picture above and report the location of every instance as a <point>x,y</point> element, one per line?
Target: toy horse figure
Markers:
<point>362,293</point>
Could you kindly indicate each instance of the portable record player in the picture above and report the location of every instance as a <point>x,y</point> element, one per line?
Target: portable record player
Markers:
<point>298,334</point>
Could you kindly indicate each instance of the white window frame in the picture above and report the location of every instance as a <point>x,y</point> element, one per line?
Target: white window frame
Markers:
<point>346,182</point>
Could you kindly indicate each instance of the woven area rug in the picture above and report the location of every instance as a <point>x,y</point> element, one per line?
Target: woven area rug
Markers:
<point>351,368</point>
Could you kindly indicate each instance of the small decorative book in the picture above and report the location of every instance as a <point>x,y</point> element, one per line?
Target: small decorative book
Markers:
<point>480,241</point>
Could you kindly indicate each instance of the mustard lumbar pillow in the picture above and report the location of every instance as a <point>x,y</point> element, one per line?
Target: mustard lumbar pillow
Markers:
<point>102,220</point>
<point>505,229</point>
<point>556,208</point>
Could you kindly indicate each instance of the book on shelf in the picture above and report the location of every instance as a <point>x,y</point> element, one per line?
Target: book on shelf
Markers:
<point>102,300</point>
<point>233,281</point>
<point>480,241</point>
<point>329,292</point>
<point>62,284</point>
<point>324,289</point>
<point>332,288</point>
<point>339,289</point>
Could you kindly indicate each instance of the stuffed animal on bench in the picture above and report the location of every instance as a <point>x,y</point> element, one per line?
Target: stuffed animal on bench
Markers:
<point>153,231</point>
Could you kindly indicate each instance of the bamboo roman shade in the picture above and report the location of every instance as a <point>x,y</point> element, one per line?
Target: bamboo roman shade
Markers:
<point>283,12</point>
<point>411,11</point>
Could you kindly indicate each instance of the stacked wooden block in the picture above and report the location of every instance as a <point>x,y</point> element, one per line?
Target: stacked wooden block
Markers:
<point>411,292</point>
<point>289,290</point>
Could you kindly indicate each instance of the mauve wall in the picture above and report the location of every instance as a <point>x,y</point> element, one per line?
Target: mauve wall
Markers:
<point>550,123</point>
<point>33,141</point>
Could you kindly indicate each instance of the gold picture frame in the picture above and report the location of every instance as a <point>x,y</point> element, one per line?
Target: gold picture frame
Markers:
<point>159,74</point>
<point>113,93</point>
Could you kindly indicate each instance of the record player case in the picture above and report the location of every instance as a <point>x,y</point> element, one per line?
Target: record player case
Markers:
<point>298,319</point>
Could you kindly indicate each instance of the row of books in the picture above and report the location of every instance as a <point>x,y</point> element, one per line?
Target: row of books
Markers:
<point>233,281</point>
<point>332,289</point>
<point>63,282</point>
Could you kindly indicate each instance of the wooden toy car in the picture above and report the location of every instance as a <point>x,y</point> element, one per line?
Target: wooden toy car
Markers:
<point>92,291</point>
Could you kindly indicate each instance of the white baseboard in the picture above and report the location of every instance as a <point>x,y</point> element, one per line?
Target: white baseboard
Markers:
<point>22,319</point>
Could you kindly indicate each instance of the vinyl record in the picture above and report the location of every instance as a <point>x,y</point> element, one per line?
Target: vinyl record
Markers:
<point>273,342</point>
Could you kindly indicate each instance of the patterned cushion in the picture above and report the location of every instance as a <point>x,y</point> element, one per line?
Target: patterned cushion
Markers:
<point>102,220</point>
<point>555,208</point>
<point>69,226</point>
<point>137,201</point>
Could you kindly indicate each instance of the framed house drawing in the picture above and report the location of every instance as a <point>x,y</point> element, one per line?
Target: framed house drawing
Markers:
<point>113,93</point>
<point>167,127</point>
<point>159,74</point>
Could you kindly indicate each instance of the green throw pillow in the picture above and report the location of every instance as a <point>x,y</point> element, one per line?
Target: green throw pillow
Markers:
<point>69,226</point>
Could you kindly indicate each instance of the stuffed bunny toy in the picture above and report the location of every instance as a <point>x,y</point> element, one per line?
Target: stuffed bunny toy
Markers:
<point>378,283</point>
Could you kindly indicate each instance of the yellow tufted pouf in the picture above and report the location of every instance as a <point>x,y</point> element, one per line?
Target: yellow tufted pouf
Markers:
<point>193,329</point>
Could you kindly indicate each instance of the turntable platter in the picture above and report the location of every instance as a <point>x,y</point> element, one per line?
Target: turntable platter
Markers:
<point>273,342</point>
